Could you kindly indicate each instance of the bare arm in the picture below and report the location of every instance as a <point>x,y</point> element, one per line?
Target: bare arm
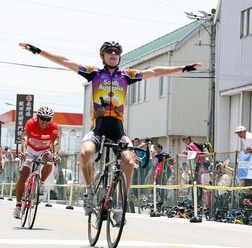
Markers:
<point>55,150</point>
<point>55,146</point>
<point>24,143</point>
<point>58,59</point>
<point>161,71</point>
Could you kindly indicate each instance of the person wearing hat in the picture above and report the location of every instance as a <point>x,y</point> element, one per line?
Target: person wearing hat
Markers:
<point>246,137</point>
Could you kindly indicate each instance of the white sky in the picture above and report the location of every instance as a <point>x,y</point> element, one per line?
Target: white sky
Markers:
<point>76,29</point>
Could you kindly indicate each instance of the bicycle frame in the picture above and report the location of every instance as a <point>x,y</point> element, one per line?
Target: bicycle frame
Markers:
<point>110,189</point>
<point>30,199</point>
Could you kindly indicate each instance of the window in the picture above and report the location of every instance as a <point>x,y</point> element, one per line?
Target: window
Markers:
<point>139,92</point>
<point>161,87</point>
<point>246,22</point>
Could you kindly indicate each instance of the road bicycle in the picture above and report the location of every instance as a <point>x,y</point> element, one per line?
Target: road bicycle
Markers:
<point>110,188</point>
<point>30,199</point>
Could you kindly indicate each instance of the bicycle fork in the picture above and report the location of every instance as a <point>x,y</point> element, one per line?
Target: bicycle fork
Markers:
<point>109,195</point>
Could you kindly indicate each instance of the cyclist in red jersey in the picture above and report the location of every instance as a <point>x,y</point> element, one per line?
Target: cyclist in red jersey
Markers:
<point>109,88</point>
<point>40,140</point>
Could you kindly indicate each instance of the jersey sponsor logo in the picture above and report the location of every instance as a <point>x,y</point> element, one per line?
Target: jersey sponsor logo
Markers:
<point>45,136</point>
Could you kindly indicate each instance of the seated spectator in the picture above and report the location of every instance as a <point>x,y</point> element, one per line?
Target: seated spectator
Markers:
<point>185,193</point>
<point>223,179</point>
<point>247,201</point>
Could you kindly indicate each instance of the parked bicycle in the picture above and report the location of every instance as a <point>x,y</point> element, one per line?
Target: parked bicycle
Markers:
<point>30,199</point>
<point>148,203</point>
<point>109,187</point>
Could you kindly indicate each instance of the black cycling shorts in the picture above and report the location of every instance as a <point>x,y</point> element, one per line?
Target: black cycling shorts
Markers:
<point>110,127</point>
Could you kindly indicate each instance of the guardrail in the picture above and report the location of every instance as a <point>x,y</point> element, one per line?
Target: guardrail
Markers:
<point>74,192</point>
<point>168,186</point>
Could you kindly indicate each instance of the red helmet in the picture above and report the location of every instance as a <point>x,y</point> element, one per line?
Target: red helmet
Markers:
<point>109,44</point>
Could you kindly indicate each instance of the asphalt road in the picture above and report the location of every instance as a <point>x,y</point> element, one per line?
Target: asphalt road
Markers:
<point>58,227</point>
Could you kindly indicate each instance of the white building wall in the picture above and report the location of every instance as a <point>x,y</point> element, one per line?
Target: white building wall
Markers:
<point>190,91</point>
<point>233,75</point>
<point>184,108</point>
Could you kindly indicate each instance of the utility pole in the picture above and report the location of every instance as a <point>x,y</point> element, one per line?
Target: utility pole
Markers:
<point>207,22</point>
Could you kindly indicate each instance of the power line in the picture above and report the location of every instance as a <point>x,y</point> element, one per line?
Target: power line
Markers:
<point>97,13</point>
<point>35,66</point>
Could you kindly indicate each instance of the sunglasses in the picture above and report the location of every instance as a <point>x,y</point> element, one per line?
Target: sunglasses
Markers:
<point>42,118</point>
<point>112,50</point>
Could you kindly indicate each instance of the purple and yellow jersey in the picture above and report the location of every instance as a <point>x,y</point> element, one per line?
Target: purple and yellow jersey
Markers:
<point>109,90</point>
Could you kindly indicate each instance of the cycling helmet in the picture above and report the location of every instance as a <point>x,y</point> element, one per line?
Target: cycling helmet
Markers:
<point>45,111</point>
<point>109,44</point>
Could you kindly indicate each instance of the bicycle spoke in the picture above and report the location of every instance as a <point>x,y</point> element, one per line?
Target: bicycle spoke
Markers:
<point>115,224</point>
<point>95,219</point>
<point>24,210</point>
<point>34,201</point>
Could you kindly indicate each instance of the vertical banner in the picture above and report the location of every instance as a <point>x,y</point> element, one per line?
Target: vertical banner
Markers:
<point>24,111</point>
<point>244,170</point>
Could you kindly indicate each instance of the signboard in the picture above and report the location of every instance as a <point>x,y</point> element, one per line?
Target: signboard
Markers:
<point>24,111</point>
<point>244,166</point>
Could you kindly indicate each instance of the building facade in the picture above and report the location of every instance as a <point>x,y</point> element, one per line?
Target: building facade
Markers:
<point>167,108</point>
<point>233,72</point>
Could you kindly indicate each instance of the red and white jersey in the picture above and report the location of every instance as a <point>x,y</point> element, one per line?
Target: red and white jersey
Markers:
<point>41,139</point>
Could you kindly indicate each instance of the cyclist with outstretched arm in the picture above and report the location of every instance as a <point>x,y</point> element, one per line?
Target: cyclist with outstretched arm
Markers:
<point>109,89</point>
<point>40,136</point>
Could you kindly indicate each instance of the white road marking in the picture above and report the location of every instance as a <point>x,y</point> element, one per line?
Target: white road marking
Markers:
<point>102,242</point>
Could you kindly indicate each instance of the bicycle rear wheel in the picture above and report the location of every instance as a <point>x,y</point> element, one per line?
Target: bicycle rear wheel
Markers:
<point>96,217</point>
<point>115,227</point>
<point>34,201</point>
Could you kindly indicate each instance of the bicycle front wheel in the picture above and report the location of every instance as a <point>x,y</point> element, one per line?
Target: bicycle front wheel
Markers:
<point>117,209</point>
<point>96,217</point>
<point>33,204</point>
<point>24,210</point>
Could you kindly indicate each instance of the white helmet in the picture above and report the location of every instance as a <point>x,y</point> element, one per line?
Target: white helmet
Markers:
<point>45,111</point>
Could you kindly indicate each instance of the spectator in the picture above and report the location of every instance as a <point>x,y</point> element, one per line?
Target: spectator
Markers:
<point>223,179</point>
<point>148,170</point>
<point>246,138</point>
<point>200,160</point>
<point>247,201</point>
<point>201,174</point>
<point>138,162</point>
<point>185,193</point>
<point>139,154</point>
<point>159,157</point>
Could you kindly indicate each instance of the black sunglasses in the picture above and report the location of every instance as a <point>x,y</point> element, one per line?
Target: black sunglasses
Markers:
<point>112,50</point>
<point>42,118</point>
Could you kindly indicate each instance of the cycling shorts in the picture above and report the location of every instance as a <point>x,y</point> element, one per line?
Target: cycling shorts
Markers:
<point>32,154</point>
<point>111,128</point>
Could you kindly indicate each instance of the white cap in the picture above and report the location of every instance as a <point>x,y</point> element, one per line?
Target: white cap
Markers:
<point>240,129</point>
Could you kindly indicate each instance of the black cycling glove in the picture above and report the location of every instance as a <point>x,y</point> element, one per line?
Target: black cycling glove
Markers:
<point>32,49</point>
<point>189,68</point>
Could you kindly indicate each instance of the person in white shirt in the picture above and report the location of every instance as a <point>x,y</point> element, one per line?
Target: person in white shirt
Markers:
<point>246,137</point>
